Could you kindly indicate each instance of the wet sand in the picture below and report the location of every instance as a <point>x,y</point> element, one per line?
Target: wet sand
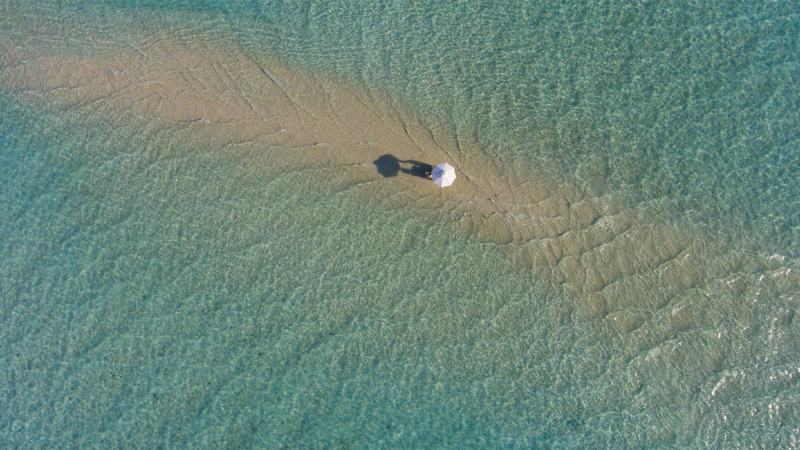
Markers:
<point>605,252</point>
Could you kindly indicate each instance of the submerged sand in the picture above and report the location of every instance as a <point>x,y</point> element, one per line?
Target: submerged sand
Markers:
<point>605,252</point>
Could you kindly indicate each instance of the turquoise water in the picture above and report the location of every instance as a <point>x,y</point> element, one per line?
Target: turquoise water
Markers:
<point>159,292</point>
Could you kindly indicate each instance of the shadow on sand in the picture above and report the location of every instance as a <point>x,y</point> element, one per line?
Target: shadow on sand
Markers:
<point>389,166</point>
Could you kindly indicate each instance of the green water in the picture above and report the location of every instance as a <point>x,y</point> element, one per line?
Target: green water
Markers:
<point>155,294</point>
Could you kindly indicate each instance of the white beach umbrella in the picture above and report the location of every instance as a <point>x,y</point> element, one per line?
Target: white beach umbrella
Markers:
<point>443,174</point>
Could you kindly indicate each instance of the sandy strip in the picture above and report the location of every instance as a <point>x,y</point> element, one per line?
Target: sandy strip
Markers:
<point>606,254</point>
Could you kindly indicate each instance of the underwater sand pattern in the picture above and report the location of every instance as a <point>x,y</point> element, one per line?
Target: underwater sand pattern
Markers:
<point>641,274</point>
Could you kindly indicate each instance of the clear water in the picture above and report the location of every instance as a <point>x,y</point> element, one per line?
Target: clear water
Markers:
<point>156,292</point>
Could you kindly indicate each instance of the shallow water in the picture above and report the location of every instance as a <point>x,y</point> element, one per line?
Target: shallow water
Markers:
<point>199,250</point>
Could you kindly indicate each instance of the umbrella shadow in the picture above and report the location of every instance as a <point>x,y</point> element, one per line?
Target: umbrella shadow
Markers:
<point>389,166</point>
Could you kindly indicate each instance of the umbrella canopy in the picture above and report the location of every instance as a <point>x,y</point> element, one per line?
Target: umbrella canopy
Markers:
<point>443,174</point>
